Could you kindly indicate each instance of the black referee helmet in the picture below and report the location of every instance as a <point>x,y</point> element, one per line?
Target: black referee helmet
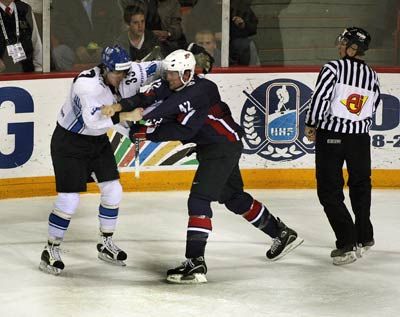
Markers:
<point>355,35</point>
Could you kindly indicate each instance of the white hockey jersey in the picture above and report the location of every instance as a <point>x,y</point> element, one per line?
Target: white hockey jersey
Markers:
<point>81,112</point>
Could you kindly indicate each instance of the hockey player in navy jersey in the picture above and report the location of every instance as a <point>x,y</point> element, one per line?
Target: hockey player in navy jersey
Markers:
<point>338,120</point>
<point>191,110</point>
<point>81,151</point>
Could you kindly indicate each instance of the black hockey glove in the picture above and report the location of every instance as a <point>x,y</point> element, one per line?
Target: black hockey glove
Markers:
<point>137,132</point>
<point>204,60</point>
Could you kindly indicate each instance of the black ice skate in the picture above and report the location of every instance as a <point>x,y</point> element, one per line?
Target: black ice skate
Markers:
<point>192,271</point>
<point>51,260</point>
<point>286,241</point>
<point>362,248</point>
<point>345,255</point>
<point>109,252</point>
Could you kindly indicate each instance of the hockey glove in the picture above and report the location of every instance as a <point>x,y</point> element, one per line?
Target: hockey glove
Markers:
<point>137,132</point>
<point>204,60</point>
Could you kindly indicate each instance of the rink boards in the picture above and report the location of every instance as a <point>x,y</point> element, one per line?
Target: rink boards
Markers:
<point>277,154</point>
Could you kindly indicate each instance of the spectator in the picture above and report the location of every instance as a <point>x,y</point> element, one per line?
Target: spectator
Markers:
<point>242,50</point>
<point>20,44</point>
<point>206,39</point>
<point>138,41</point>
<point>169,31</point>
<point>37,9</point>
<point>207,14</point>
<point>81,29</point>
<point>243,24</point>
<point>164,18</point>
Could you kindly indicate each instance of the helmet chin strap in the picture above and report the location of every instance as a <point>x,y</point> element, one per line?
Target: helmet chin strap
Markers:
<point>184,84</point>
<point>180,88</point>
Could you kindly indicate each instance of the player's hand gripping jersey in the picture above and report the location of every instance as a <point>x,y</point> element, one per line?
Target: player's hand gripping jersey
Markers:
<point>81,112</point>
<point>195,114</point>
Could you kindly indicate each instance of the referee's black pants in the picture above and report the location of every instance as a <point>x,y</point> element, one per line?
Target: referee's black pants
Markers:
<point>331,151</point>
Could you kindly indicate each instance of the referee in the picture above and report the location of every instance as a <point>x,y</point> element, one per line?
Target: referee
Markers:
<point>338,120</point>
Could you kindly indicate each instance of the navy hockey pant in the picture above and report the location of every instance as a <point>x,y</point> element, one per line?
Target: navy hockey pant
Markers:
<point>218,178</point>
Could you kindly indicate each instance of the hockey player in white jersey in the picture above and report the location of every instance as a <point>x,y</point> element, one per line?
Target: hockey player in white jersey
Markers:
<point>81,151</point>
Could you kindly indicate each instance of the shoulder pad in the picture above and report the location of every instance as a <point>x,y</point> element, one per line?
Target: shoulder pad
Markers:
<point>89,82</point>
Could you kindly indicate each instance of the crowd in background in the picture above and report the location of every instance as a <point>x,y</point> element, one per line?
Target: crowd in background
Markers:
<point>80,29</point>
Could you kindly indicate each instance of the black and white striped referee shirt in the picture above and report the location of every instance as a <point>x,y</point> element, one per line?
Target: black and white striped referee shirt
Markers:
<point>345,97</point>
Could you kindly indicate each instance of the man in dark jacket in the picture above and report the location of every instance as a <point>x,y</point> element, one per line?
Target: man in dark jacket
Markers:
<point>20,45</point>
<point>243,24</point>
<point>81,29</point>
<point>137,40</point>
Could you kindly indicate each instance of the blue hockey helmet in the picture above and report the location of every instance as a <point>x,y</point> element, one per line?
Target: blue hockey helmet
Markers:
<point>115,58</point>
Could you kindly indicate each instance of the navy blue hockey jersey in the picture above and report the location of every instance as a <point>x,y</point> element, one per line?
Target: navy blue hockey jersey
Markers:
<point>194,114</point>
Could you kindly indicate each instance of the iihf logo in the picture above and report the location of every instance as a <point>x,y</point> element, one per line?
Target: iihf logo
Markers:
<point>273,120</point>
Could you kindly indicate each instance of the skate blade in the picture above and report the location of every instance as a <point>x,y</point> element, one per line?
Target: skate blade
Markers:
<point>348,258</point>
<point>196,278</point>
<point>106,258</point>
<point>361,251</point>
<point>289,248</point>
<point>46,268</point>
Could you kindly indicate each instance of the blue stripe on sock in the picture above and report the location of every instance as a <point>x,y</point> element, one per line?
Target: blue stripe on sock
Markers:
<point>57,227</point>
<point>108,212</point>
<point>58,222</point>
<point>105,217</point>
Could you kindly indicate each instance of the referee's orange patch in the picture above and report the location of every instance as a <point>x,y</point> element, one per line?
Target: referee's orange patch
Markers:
<point>354,103</point>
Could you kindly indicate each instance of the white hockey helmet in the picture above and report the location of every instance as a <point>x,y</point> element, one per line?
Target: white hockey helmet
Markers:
<point>180,61</point>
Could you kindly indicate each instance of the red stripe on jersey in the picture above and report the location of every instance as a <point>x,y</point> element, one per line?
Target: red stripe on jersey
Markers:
<point>204,223</point>
<point>216,111</point>
<point>220,129</point>
<point>149,93</point>
<point>180,117</point>
<point>253,212</point>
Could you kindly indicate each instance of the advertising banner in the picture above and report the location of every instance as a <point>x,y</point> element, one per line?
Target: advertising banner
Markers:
<point>270,106</point>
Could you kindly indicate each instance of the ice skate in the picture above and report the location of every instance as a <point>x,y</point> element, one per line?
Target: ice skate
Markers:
<point>286,241</point>
<point>362,248</point>
<point>109,252</point>
<point>51,262</point>
<point>192,271</point>
<point>345,255</point>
